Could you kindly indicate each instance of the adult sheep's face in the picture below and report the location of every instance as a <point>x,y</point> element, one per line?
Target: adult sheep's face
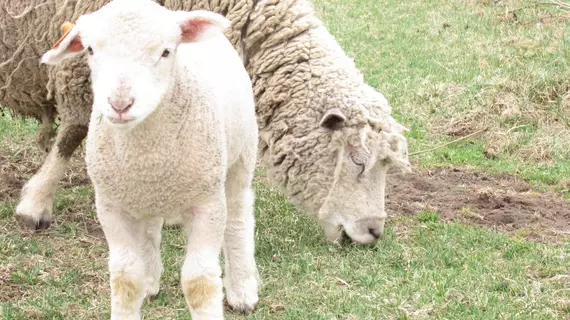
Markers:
<point>132,47</point>
<point>356,199</point>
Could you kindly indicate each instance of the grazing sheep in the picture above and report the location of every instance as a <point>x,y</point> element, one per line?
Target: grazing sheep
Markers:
<point>323,130</point>
<point>172,133</point>
<point>320,122</point>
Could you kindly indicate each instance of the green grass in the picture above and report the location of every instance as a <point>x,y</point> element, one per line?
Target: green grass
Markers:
<point>448,68</point>
<point>420,269</point>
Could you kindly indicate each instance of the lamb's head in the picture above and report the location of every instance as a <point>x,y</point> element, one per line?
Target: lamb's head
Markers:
<point>132,47</point>
<point>356,199</point>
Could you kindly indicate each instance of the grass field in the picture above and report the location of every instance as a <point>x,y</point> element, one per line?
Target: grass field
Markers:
<point>449,68</point>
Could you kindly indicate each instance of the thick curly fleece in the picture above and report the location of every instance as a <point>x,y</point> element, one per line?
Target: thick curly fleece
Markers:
<point>298,71</point>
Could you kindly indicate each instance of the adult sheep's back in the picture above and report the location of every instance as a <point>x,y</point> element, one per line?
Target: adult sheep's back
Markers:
<point>26,88</point>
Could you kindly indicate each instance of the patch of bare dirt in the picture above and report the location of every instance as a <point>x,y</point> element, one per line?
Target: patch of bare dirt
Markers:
<point>503,202</point>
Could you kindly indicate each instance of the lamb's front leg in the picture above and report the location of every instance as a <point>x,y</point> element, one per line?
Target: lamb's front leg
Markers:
<point>201,272</point>
<point>134,260</point>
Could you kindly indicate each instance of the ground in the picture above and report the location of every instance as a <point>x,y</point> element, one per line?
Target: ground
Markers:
<point>480,230</point>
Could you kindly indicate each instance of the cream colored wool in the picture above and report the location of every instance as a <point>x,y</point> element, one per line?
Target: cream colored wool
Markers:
<point>299,72</point>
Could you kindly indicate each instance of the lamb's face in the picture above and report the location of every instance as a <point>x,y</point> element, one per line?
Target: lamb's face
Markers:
<point>356,201</point>
<point>131,55</point>
<point>131,46</point>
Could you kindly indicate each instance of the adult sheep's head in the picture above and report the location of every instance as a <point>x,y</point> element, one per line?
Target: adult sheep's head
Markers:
<point>356,199</point>
<point>131,46</point>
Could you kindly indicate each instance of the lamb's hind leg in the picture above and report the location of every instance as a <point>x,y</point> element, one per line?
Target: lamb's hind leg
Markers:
<point>241,278</point>
<point>34,212</point>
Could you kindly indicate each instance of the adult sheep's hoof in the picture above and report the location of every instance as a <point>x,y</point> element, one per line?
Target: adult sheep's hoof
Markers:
<point>34,212</point>
<point>30,224</point>
<point>34,215</point>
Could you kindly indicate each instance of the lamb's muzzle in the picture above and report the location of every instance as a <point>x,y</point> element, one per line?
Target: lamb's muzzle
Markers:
<point>121,107</point>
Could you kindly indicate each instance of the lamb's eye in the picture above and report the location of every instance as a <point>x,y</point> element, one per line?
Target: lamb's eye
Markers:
<point>90,50</point>
<point>165,53</point>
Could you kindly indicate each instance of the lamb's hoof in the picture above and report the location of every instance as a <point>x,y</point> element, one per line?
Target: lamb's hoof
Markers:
<point>242,299</point>
<point>242,308</point>
<point>29,224</point>
<point>151,297</point>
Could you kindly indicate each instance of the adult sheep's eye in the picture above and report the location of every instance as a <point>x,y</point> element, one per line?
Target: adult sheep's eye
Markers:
<point>165,53</point>
<point>90,50</point>
<point>359,160</point>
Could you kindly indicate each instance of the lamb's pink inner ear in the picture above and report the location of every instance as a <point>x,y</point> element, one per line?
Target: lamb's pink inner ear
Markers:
<point>192,29</point>
<point>75,45</point>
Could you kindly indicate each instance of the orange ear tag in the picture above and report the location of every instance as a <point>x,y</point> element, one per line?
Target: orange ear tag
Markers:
<point>66,28</point>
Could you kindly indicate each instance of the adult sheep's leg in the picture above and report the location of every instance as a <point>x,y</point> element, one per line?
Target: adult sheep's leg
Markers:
<point>241,276</point>
<point>201,273</point>
<point>134,260</point>
<point>34,212</point>
<point>69,85</point>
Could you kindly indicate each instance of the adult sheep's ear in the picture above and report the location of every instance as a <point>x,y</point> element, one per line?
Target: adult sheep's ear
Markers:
<point>200,25</point>
<point>333,119</point>
<point>67,46</point>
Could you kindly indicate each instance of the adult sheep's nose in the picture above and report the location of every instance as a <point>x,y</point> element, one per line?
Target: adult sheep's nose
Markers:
<point>365,231</point>
<point>376,232</point>
<point>121,105</point>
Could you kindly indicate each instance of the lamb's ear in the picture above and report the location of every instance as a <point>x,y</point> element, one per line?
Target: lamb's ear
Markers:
<point>200,25</point>
<point>67,46</point>
<point>333,119</point>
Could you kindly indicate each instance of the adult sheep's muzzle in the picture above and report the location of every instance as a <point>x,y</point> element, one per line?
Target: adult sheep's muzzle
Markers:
<point>363,231</point>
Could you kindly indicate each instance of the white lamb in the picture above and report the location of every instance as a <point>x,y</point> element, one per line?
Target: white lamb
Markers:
<point>172,134</point>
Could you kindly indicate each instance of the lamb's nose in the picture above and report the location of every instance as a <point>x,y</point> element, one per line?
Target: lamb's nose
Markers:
<point>121,105</point>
